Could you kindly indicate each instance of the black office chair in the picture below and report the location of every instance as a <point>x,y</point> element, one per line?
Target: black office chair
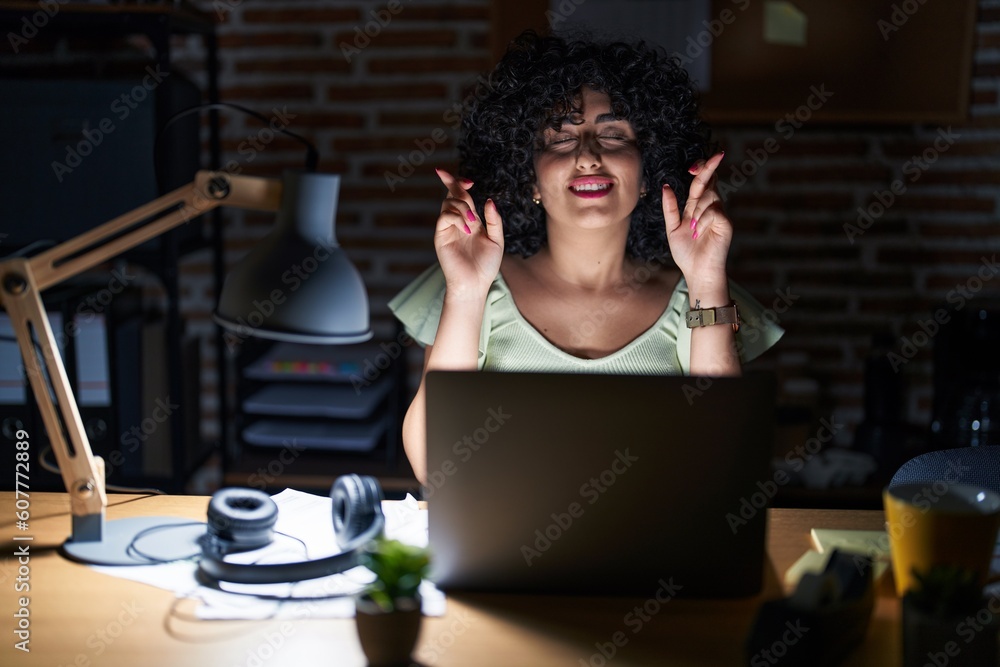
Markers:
<point>978,466</point>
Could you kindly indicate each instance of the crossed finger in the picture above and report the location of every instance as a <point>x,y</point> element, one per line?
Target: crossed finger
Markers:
<point>459,202</point>
<point>702,193</point>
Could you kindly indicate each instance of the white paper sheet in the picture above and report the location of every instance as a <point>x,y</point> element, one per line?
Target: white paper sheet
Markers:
<point>308,518</point>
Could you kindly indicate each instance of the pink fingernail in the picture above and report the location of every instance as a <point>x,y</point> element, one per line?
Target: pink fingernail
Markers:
<point>695,235</point>
<point>694,223</point>
<point>466,181</point>
<point>470,215</point>
<point>467,230</point>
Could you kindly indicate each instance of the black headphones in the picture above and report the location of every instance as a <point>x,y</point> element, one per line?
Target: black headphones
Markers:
<point>243,519</point>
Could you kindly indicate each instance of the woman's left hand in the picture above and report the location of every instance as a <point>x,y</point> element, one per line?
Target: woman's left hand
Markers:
<point>699,239</point>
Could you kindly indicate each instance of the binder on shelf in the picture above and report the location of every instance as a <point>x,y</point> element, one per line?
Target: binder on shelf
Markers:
<point>337,401</point>
<point>333,436</point>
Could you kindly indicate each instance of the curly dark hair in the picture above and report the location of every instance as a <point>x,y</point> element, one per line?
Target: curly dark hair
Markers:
<point>536,85</point>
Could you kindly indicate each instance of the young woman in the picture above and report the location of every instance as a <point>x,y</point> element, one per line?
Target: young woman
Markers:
<point>584,233</point>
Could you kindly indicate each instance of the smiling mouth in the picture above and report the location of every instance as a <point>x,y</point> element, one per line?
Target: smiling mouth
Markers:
<point>591,190</point>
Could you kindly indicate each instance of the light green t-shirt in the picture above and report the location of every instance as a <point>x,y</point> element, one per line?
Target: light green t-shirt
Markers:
<point>508,343</point>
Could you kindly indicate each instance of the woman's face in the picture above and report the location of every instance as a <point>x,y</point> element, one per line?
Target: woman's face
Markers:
<point>589,172</point>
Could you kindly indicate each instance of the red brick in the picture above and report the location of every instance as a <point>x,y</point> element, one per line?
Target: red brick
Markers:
<point>985,97</point>
<point>230,147</point>
<point>939,282</point>
<point>407,268</point>
<point>422,243</point>
<point>396,38</point>
<point>804,147</point>
<point>884,226</point>
<point>397,92</point>
<point>405,118</point>
<point>829,201</point>
<point>260,40</point>
<point>302,15</point>
<point>427,65</point>
<point>382,193</point>
<point>439,13</point>
<point>928,257</point>
<point>987,40</point>
<point>959,148</point>
<point>295,91</point>
<point>842,278</point>
<point>832,174</point>
<point>971,177</point>
<point>902,303</point>
<point>328,120</point>
<point>910,202</point>
<point>294,66</point>
<point>792,253</point>
<point>378,143</point>
<point>414,220</point>
<point>986,70</point>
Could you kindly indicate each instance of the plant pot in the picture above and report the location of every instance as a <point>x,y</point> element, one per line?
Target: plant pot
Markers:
<point>388,637</point>
<point>962,640</point>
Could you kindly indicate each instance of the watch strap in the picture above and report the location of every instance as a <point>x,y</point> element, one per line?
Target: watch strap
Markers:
<point>703,317</point>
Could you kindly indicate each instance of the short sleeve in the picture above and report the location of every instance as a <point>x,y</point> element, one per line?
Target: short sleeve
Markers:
<point>418,305</point>
<point>758,326</point>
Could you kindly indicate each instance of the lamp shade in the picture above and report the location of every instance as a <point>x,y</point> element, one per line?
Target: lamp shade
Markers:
<point>297,284</point>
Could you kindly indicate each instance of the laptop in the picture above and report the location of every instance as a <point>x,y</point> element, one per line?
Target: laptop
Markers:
<point>599,484</point>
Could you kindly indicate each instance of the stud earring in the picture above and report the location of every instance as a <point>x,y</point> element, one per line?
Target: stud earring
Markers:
<point>642,194</point>
<point>536,201</point>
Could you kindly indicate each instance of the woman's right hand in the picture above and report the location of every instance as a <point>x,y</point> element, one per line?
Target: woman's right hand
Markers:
<point>469,251</point>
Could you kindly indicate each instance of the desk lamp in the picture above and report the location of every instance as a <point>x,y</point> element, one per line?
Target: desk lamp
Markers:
<point>331,306</point>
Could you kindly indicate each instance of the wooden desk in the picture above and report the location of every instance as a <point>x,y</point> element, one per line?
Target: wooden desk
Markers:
<point>81,617</point>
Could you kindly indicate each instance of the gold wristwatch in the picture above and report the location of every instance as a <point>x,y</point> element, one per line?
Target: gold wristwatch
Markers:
<point>703,317</point>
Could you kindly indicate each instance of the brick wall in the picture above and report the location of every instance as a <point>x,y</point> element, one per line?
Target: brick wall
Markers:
<point>375,85</point>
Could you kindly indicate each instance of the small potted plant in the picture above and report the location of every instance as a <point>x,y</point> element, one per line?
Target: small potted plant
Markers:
<point>945,614</point>
<point>388,610</point>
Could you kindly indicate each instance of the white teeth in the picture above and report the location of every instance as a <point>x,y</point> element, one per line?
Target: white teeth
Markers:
<point>592,187</point>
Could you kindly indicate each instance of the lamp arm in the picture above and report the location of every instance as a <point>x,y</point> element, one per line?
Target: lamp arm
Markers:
<point>22,281</point>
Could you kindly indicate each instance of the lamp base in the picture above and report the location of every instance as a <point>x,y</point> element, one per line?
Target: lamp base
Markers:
<point>145,540</point>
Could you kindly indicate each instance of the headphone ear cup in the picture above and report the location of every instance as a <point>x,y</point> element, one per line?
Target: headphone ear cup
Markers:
<point>241,519</point>
<point>357,504</point>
